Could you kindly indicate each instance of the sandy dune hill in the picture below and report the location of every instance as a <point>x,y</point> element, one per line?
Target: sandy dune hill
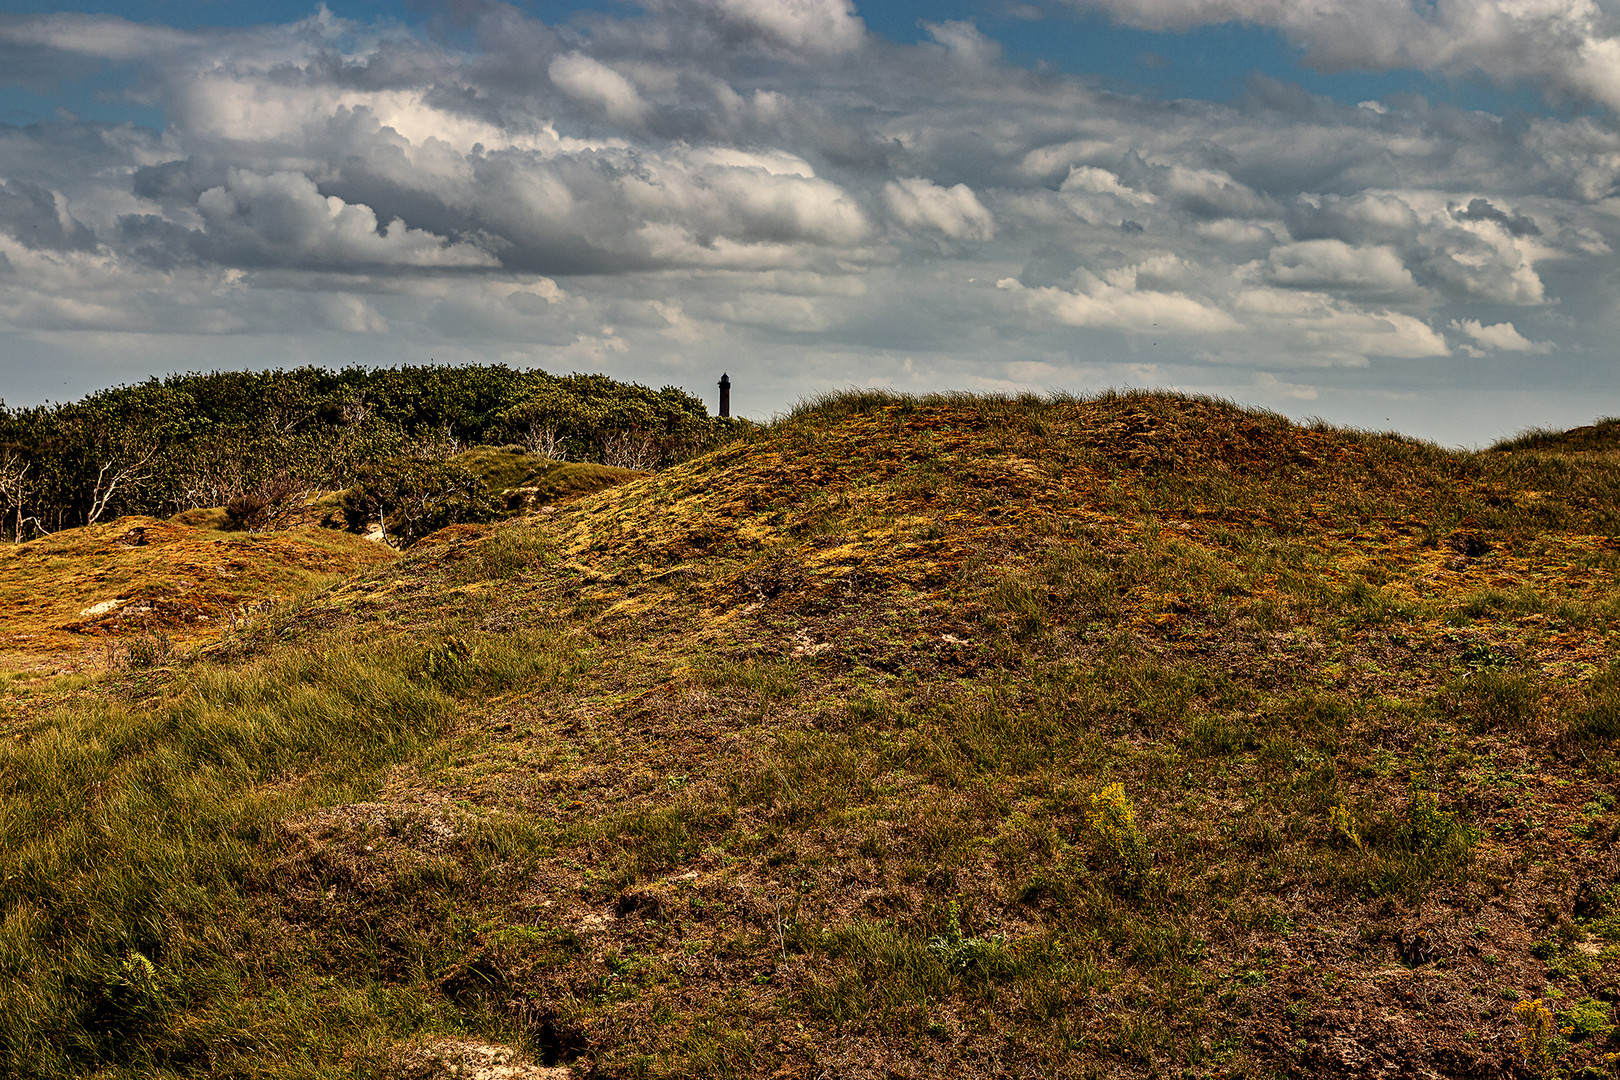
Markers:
<point>68,596</point>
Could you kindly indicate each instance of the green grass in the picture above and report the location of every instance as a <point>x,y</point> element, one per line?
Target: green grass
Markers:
<point>131,835</point>
<point>1136,735</point>
<point>1603,435</point>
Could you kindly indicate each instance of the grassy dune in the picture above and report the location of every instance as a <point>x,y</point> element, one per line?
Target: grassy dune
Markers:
<point>82,598</point>
<point>1139,735</point>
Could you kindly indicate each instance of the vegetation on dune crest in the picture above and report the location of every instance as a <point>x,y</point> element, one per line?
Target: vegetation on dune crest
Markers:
<point>134,591</point>
<point>210,440</point>
<point>1134,735</point>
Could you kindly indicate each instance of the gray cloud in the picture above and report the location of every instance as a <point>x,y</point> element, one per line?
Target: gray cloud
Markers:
<point>35,217</point>
<point>1571,48</point>
<point>1482,210</point>
<point>711,179</point>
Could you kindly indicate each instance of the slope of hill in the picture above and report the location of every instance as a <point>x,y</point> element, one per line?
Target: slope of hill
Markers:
<point>78,598</point>
<point>1140,735</point>
<point>1602,437</point>
<point>83,599</point>
<point>520,480</point>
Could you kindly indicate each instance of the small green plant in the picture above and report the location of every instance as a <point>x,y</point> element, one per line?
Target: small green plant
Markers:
<point>1495,698</point>
<point>1022,608</point>
<point>1596,717</point>
<point>960,953</point>
<point>1401,850</point>
<point>1116,837</point>
<point>1588,1018</point>
<point>1429,828</point>
<point>1344,825</point>
<point>151,649</point>
<point>1562,963</point>
<point>139,982</point>
<point>502,557</point>
<point>450,665</point>
<point>1483,656</point>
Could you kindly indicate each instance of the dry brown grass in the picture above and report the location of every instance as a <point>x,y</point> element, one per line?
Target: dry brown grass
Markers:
<point>1130,736</point>
<point>71,596</point>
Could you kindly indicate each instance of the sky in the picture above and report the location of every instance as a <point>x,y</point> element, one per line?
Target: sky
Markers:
<point>1390,214</point>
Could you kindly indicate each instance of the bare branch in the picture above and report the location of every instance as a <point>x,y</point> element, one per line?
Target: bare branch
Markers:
<point>109,479</point>
<point>632,449</point>
<point>13,488</point>
<point>542,440</point>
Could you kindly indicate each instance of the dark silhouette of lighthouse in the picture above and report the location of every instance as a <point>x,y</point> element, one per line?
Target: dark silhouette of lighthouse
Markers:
<point>725,394</point>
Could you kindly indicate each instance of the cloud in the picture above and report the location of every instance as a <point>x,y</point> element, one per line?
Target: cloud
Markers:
<point>1482,210</point>
<point>955,211</point>
<point>595,83</point>
<point>281,219</point>
<point>1317,330</point>
<point>763,178</point>
<point>38,218</point>
<point>104,37</point>
<point>547,206</point>
<point>1207,193</point>
<point>1100,305</point>
<point>1270,386</point>
<point>811,28</point>
<point>1336,266</point>
<point>1568,47</point>
<point>1501,337</point>
<point>747,199</point>
<point>963,42</point>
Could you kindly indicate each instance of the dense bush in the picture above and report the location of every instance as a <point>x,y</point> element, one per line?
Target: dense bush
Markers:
<point>264,506</point>
<point>410,498</point>
<point>237,437</point>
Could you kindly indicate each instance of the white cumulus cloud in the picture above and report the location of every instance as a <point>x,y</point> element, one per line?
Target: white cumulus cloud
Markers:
<point>283,218</point>
<point>814,26</point>
<point>1502,337</point>
<point>1338,266</point>
<point>807,28</point>
<point>1100,305</point>
<point>955,211</point>
<point>105,37</point>
<point>588,80</point>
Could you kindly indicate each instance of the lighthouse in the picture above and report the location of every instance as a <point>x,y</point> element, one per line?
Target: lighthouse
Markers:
<point>725,394</point>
